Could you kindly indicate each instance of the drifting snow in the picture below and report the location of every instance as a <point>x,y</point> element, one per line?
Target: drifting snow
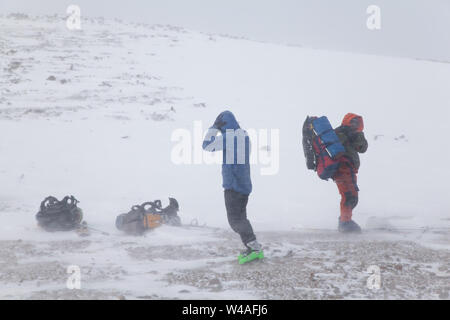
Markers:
<point>91,113</point>
<point>201,263</point>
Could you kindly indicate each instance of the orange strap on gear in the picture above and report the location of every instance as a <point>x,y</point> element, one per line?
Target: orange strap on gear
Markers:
<point>152,221</point>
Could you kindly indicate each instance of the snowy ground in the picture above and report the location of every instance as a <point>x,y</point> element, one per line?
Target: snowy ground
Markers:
<point>200,263</point>
<point>91,113</point>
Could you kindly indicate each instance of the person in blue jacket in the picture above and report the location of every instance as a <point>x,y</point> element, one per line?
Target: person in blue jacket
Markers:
<point>237,183</point>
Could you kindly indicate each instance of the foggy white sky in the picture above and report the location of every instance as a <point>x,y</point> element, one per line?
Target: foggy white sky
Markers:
<point>412,28</point>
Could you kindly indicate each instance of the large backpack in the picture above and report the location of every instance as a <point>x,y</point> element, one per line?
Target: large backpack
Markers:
<point>148,216</point>
<point>321,146</point>
<point>55,215</point>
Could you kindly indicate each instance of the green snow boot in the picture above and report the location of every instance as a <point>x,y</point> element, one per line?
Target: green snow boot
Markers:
<point>254,251</point>
<point>250,256</point>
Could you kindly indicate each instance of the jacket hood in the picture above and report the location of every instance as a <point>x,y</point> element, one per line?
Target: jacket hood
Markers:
<point>351,116</point>
<point>230,121</point>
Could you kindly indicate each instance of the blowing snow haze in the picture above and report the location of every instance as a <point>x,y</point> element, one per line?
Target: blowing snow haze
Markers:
<point>413,28</point>
<point>92,113</point>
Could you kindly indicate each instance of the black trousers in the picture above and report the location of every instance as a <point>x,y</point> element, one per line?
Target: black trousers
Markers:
<point>236,205</point>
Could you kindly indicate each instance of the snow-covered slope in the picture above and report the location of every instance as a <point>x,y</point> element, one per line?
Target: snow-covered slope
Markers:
<point>91,113</point>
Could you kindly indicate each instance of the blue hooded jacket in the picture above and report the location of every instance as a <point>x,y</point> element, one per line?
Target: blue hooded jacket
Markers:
<point>236,154</point>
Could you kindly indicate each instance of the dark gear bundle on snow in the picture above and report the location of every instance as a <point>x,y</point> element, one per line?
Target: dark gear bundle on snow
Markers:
<point>321,146</point>
<point>55,215</point>
<point>147,216</point>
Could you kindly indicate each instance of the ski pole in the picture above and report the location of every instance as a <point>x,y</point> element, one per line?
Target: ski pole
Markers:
<point>102,232</point>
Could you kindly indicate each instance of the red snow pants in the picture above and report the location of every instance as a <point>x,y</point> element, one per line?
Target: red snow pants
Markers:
<point>346,179</point>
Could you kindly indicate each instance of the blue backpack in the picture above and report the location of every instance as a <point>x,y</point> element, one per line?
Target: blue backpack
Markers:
<point>322,146</point>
